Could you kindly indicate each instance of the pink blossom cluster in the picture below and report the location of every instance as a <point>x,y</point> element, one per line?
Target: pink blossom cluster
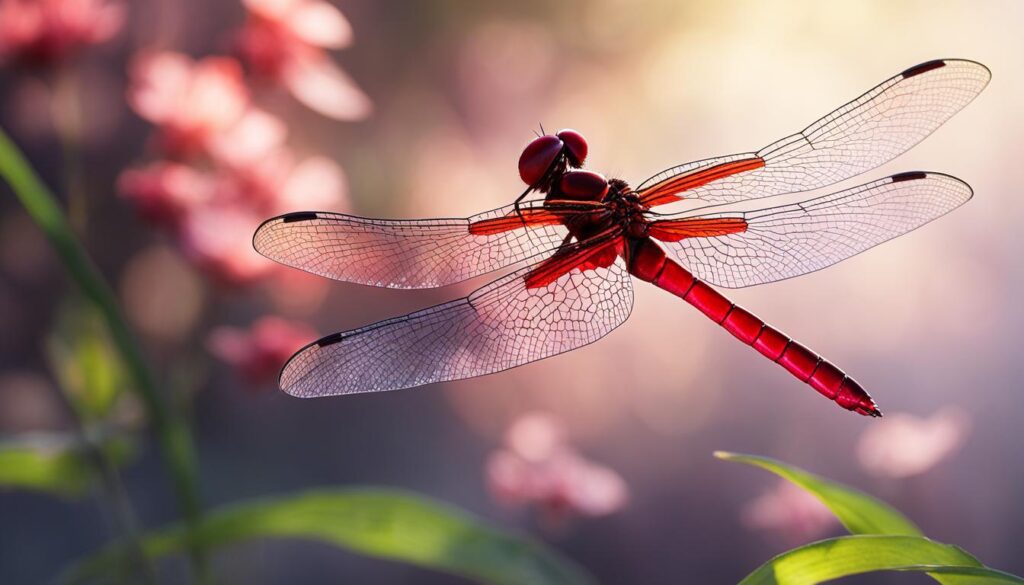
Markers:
<point>45,32</point>
<point>286,42</point>
<point>223,164</point>
<point>537,466</point>
<point>220,164</point>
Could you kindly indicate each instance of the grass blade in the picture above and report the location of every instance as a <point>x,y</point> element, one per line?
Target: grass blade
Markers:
<point>858,512</point>
<point>173,436</point>
<point>862,514</point>
<point>852,555</point>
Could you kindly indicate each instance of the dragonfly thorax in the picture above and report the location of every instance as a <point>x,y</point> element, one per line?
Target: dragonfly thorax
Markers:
<point>626,208</point>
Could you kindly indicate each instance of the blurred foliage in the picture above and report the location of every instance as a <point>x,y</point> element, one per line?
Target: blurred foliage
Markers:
<point>85,362</point>
<point>884,540</point>
<point>171,430</point>
<point>380,523</point>
<point>55,464</point>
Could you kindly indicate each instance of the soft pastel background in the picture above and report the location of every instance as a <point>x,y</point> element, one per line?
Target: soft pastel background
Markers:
<point>929,323</point>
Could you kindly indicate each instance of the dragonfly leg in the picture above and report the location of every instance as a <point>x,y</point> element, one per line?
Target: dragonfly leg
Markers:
<point>555,167</point>
<point>518,200</point>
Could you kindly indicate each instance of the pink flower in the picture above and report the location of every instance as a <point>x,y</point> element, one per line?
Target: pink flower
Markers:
<point>903,445</point>
<point>190,101</point>
<point>46,31</point>
<point>258,353</point>
<point>217,236</point>
<point>285,41</point>
<point>537,466</point>
<point>239,168</point>
<point>280,184</point>
<point>792,512</point>
<point>246,144</point>
<point>229,164</point>
<point>315,183</point>
<point>215,212</point>
<point>164,193</point>
<point>218,240</point>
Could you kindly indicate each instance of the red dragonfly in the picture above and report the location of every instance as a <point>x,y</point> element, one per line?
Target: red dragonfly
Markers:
<point>582,241</point>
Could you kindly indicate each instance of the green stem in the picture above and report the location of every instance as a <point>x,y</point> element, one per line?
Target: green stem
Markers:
<point>172,434</point>
<point>120,505</point>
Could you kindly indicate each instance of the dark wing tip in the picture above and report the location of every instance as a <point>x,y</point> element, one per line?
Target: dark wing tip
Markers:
<point>927,66</point>
<point>292,217</point>
<point>923,68</point>
<point>329,340</point>
<point>918,175</point>
<point>908,176</point>
<point>298,216</point>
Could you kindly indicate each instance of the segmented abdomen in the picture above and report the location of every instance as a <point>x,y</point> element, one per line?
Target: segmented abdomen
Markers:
<point>648,262</point>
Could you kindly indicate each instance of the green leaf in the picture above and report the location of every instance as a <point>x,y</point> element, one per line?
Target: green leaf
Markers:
<point>379,523</point>
<point>852,555</point>
<point>866,516</point>
<point>859,512</point>
<point>55,464</point>
<point>45,465</point>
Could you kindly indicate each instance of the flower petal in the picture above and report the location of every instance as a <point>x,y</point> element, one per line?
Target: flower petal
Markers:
<point>323,87</point>
<point>321,24</point>
<point>315,183</point>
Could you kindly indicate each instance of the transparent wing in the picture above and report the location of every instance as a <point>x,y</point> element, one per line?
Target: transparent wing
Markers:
<point>500,326</point>
<point>419,253</point>
<point>789,240</point>
<point>861,135</point>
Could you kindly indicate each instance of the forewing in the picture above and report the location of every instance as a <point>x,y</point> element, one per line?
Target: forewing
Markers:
<point>789,240</point>
<point>408,254</point>
<point>867,132</point>
<point>500,326</point>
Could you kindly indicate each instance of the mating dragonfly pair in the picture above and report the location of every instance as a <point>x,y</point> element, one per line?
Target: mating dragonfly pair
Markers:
<point>583,240</point>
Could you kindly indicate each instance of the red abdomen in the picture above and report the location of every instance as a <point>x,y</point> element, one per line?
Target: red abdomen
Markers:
<point>648,262</point>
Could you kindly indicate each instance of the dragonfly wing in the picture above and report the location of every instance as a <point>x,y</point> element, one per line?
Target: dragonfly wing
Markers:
<point>743,248</point>
<point>500,326</point>
<point>409,253</point>
<point>867,132</point>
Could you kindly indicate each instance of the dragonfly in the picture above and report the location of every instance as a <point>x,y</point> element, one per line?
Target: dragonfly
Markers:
<point>574,248</point>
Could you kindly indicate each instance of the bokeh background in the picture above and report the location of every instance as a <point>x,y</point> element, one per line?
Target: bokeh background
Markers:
<point>929,323</point>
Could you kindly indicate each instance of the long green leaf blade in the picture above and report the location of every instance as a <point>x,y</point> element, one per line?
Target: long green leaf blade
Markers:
<point>826,560</point>
<point>380,523</point>
<point>858,512</point>
<point>172,432</point>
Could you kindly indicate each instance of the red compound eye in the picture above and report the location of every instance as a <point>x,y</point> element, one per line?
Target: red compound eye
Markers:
<point>583,185</point>
<point>575,146</point>
<point>537,158</point>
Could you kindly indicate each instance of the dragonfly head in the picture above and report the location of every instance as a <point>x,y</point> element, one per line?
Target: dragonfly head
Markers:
<point>547,156</point>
